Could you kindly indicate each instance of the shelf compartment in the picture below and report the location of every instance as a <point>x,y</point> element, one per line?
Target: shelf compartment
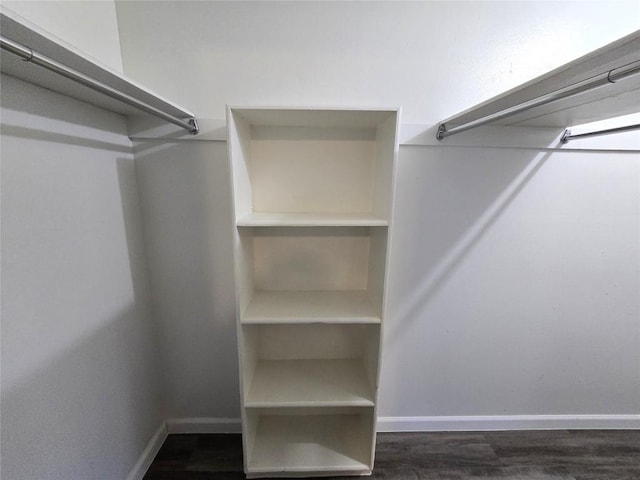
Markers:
<point>276,219</point>
<point>310,258</point>
<point>302,364</point>
<point>312,161</point>
<point>304,383</point>
<point>309,443</point>
<point>351,306</point>
<point>275,263</point>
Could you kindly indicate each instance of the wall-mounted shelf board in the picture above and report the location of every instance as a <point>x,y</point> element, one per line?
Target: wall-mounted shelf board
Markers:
<point>350,306</point>
<point>22,31</point>
<point>611,100</point>
<point>258,219</point>
<point>304,383</point>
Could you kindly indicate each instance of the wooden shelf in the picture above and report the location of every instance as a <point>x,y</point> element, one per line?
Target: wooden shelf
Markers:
<point>20,30</point>
<point>311,220</point>
<point>309,117</point>
<point>311,307</point>
<point>309,383</point>
<point>320,444</point>
<point>616,99</point>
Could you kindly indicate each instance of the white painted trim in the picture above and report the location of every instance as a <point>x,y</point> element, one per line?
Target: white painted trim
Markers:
<point>148,454</point>
<point>506,422</point>
<point>204,425</point>
<point>146,128</point>
<point>399,424</point>
<point>151,129</point>
<point>440,423</point>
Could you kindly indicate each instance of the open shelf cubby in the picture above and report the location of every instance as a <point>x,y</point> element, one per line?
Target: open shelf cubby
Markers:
<point>322,442</point>
<point>314,167</point>
<point>310,365</point>
<point>313,191</point>
<point>311,274</point>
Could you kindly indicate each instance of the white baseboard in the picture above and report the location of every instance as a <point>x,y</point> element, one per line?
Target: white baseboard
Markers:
<point>440,423</point>
<point>399,424</point>
<point>507,422</point>
<point>149,453</point>
<point>204,425</point>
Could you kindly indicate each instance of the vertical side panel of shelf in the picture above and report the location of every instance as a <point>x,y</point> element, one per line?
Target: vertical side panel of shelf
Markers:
<point>239,142</point>
<point>239,151</point>
<point>377,265</point>
<point>245,283</point>
<point>376,283</point>
<point>388,133</point>
<point>368,427</point>
<point>383,204</point>
<point>238,138</point>
<point>250,430</point>
<point>250,353</point>
<point>384,166</point>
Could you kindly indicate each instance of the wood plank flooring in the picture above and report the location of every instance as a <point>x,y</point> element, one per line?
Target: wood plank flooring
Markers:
<point>522,455</point>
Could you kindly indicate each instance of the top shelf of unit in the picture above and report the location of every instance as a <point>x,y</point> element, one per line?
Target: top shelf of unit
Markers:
<point>313,117</point>
<point>311,220</point>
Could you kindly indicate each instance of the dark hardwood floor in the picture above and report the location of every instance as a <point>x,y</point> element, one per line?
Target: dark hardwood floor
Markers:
<point>527,455</point>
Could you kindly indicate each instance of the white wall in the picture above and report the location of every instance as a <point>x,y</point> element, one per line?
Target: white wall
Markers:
<point>515,271</point>
<point>89,26</point>
<point>80,379</point>
<point>515,284</point>
<point>185,198</point>
<point>432,58</point>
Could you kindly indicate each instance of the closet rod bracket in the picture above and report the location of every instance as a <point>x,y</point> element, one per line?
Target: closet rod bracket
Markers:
<point>440,134</point>
<point>567,136</point>
<point>195,128</point>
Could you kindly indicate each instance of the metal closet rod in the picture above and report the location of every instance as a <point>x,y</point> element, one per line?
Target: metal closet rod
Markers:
<point>29,55</point>
<point>566,136</point>
<point>611,76</point>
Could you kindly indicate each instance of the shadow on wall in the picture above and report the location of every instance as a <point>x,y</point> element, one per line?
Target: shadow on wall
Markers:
<point>80,389</point>
<point>186,210</point>
<point>79,415</point>
<point>43,107</point>
<point>513,283</point>
<point>72,406</point>
<point>132,219</point>
<point>458,193</point>
<point>58,138</point>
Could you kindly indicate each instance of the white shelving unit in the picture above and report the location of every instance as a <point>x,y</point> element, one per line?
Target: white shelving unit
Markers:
<point>312,198</point>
